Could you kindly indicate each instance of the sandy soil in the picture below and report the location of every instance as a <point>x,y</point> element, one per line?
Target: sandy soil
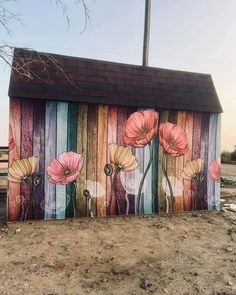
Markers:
<point>182,254</point>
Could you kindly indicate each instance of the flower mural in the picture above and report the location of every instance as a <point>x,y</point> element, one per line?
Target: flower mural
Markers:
<point>122,157</point>
<point>22,169</point>
<point>124,160</point>
<point>173,139</point>
<point>66,168</point>
<point>214,170</point>
<point>140,128</point>
<point>192,169</point>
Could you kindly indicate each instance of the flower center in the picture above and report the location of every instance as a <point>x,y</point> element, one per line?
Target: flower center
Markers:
<point>67,172</point>
<point>143,132</point>
<point>172,144</point>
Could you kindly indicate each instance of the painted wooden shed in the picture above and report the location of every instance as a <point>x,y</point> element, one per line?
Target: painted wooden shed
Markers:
<point>105,138</point>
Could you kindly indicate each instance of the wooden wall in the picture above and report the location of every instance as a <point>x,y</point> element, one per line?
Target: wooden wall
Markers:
<point>46,129</point>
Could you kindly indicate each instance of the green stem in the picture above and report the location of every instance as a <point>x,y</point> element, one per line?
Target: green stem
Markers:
<point>74,198</point>
<point>164,162</point>
<point>143,178</point>
<point>32,198</point>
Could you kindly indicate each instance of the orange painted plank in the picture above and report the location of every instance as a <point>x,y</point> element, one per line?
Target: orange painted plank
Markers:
<point>179,165</point>
<point>187,158</point>
<point>14,209</point>
<point>112,138</point>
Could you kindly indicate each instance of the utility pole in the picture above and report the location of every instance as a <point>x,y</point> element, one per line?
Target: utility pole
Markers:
<point>146,32</point>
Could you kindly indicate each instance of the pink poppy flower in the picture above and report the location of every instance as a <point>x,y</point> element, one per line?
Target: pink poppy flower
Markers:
<point>140,128</point>
<point>173,139</point>
<point>66,168</point>
<point>214,170</point>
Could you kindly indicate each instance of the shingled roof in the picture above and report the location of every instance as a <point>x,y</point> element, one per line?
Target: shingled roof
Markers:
<point>95,81</point>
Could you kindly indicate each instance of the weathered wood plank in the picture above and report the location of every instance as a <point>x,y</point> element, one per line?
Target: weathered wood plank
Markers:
<point>196,153</point>
<point>112,138</point>
<point>101,160</point>
<point>179,165</point>
<point>218,153</point>
<point>62,117</point>
<point>50,154</point>
<point>92,141</point>
<point>14,209</point>
<point>204,156</point>
<point>81,201</point>
<point>26,146</point>
<point>187,158</point>
<point>39,151</point>
<point>71,146</point>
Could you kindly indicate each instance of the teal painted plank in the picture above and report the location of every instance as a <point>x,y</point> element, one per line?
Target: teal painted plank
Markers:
<point>147,200</point>
<point>211,158</point>
<point>154,182</point>
<point>218,152</point>
<point>50,154</point>
<point>61,197</point>
<point>71,146</point>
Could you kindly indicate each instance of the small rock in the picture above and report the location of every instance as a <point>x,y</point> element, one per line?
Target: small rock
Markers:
<point>229,283</point>
<point>229,249</point>
<point>165,290</point>
<point>18,230</point>
<point>145,284</point>
<point>0,237</point>
<point>223,210</point>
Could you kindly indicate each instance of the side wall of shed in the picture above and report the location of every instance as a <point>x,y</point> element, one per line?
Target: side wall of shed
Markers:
<point>175,166</point>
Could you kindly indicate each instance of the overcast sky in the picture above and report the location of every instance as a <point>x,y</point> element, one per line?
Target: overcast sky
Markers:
<point>190,35</point>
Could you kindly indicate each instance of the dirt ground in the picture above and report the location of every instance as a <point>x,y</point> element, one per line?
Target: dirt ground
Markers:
<point>178,254</point>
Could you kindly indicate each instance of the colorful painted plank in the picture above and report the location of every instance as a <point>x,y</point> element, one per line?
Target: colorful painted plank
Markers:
<point>39,151</point>
<point>101,160</point>
<point>211,158</point>
<point>179,165</point>
<point>92,142</point>
<point>196,154</point>
<point>50,154</point>
<point>82,129</point>
<point>162,197</point>
<point>62,199</point>
<point>202,204</point>
<point>112,138</point>
<point>26,151</point>
<point>14,210</point>
<point>188,157</point>
<point>71,146</point>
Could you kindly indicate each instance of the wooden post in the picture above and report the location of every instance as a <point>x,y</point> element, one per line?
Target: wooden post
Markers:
<point>146,32</point>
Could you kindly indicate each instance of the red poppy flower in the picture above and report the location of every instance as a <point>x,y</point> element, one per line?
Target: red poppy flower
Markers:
<point>66,168</point>
<point>140,128</point>
<point>173,139</point>
<point>214,170</point>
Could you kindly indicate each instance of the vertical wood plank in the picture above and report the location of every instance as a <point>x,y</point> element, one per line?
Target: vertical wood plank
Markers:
<point>26,145</point>
<point>218,153</point>
<point>38,150</point>
<point>211,158</point>
<point>154,183</point>
<point>120,191</point>
<point>171,161</point>
<point>161,194</point>
<point>62,117</point>
<point>102,159</point>
<point>50,154</point>
<point>112,138</point>
<point>179,165</point>
<point>196,153</point>
<point>187,158</point>
<point>147,207</point>
<point>14,154</point>
<point>204,156</point>
<point>82,130</point>
<point>71,146</point>
<point>92,149</point>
